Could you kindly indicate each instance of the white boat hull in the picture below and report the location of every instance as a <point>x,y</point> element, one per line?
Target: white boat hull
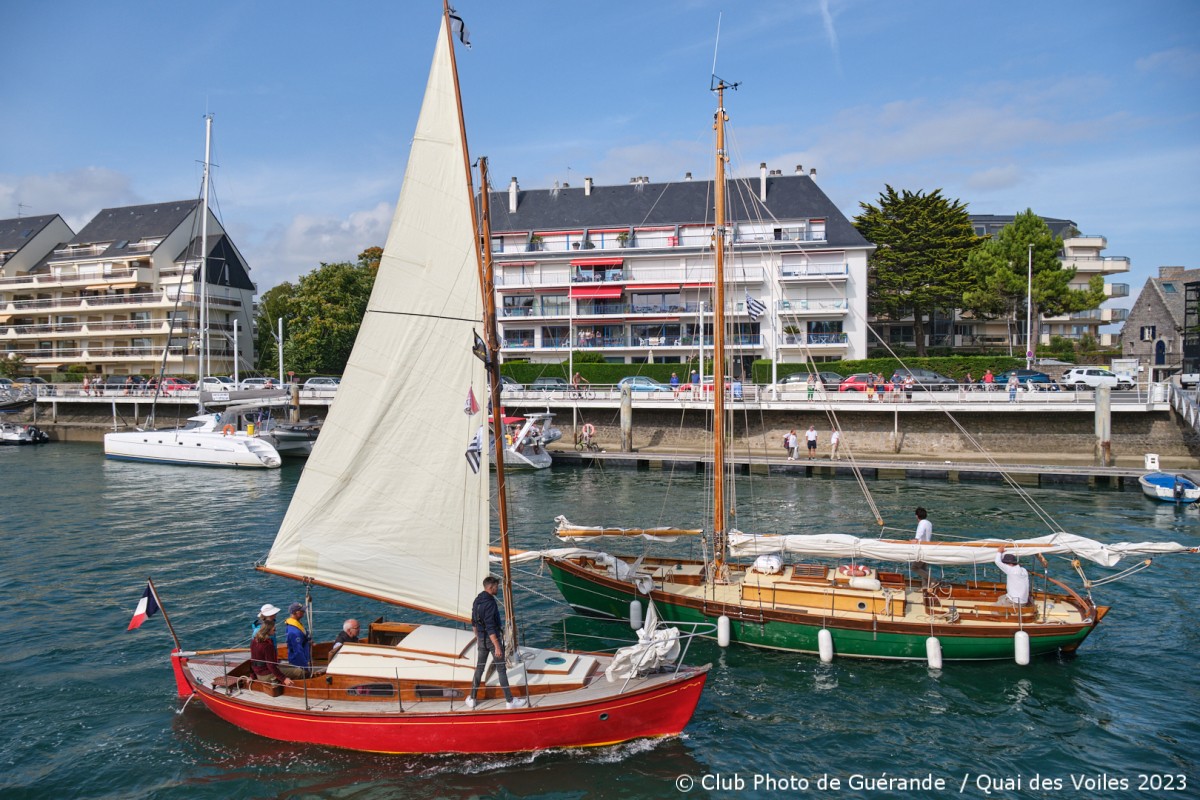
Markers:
<point>1164,488</point>
<point>196,448</point>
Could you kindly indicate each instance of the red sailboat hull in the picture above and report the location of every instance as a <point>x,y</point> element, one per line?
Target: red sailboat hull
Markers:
<point>655,711</point>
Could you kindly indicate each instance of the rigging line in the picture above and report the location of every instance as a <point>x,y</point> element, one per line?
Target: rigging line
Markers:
<point>716,42</point>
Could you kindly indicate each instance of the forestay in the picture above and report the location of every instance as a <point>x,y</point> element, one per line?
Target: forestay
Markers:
<point>388,506</point>
<point>837,545</point>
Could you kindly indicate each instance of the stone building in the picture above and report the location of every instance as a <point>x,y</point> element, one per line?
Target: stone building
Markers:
<point>1154,329</point>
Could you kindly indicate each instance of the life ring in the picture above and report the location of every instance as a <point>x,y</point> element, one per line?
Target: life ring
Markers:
<point>589,430</point>
<point>228,430</point>
<point>854,570</point>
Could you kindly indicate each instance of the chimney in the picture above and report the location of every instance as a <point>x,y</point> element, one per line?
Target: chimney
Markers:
<point>762,182</point>
<point>687,177</point>
<point>512,195</point>
<point>587,187</point>
<point>812,173</point>
<point>1170,272</point>
<point>799,169</point>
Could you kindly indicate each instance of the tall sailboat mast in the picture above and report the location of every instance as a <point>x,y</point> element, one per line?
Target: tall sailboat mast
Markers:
<point>720,532</point>
<point>205,358</point>
<point>483,253</point>
<point>492,340</point>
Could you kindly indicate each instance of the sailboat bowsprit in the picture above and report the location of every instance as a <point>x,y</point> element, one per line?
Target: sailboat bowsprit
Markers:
<point>389,508</point>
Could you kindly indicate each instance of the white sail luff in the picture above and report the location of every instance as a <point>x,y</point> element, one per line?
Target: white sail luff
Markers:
<point>388,505</point>
<point>946,553</point>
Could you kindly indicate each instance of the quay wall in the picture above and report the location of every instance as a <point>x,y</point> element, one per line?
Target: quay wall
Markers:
<point>1049,436</point>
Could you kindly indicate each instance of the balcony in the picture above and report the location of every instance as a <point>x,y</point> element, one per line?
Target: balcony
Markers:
<point>813,307</point>
<point>812,339</point>
<point>799,273</point>
<point>1116,290</point>
<point>1096,265</point>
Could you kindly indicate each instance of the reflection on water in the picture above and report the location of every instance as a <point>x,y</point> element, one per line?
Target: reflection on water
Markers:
<point>87,704</point>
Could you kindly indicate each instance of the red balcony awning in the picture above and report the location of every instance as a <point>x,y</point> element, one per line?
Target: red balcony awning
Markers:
<point>597,262</point>
<point>654,287</point>
<point>597,292</point>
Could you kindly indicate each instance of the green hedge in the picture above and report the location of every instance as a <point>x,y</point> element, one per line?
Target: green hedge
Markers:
<point>951,366</point>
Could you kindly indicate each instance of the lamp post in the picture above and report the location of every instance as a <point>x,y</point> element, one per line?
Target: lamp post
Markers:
<point>1029,314</point>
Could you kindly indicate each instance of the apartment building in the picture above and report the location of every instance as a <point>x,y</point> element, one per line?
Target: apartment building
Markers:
<point>1161,331</point>
<point>124,293</point>
<point>627,271</point>
<point>1083,252</point>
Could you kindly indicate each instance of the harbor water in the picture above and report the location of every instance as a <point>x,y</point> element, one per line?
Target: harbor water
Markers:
<point>90,710</point>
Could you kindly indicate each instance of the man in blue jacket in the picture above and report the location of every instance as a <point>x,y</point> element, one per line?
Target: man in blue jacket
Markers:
<point>299,644</point>
<point>485,619</point>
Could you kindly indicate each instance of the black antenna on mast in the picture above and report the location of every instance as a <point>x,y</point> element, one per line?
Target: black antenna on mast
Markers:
<point>716,81</point>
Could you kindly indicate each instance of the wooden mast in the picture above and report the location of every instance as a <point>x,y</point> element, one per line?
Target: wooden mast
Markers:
<point>720,534</point>
<point>483,254</point>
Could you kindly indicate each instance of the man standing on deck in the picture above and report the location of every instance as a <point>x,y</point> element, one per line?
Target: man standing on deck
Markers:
<point>923,535</point>
<point>485,620</point>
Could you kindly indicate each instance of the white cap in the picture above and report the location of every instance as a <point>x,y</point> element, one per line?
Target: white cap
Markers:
<point>268,610</point>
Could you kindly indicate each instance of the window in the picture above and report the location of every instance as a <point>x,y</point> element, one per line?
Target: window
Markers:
<point>520,305</point>
<point>1169,288</point>
<point>1148,332</point>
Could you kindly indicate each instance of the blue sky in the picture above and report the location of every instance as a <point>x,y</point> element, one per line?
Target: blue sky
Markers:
<point>1083,110</point>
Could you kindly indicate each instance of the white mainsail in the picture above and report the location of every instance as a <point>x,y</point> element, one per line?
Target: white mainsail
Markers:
<point>388,505</point>
<point>983,551</point>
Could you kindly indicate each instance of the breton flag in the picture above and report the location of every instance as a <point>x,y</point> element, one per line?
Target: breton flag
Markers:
<point>475,450</point>
<point>755,306</point>
<point>146,607</point>
<point>471,407</point>
<point>458,26</point>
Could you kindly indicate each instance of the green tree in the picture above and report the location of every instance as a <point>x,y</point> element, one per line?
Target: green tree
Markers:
<point>273,305</point>
<point>919,265</point>
<point>1001,270</point>
<point>326,310</point>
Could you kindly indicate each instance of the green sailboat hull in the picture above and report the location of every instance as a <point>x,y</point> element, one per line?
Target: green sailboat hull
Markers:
<point>789,631</point>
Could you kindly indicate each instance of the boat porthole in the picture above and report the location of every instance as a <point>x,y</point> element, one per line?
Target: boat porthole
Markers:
<point>556,660</point>
<point>604,717</point>
<point>862,606</point>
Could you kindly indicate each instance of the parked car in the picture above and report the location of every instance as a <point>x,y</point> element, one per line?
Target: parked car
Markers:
<point>322,384</point>
<point>827,378</point>
<point>507,383</point>
<point>6,383</point>
<point>640,383</point>
<point>926,379</point>
<point>114,384</point>
<point>550,384</point>
<point>217,383</point>
<point>1092,378</point>
<point>260,383</point>
<point>1040,381</point>
<point>857,382</point>
<point>171,385</point>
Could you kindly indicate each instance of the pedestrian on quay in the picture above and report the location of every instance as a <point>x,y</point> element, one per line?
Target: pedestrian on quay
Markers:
<point>835,439</point>
<point>811,436</point>
<point>793,446</point>
<point>1013,385</point>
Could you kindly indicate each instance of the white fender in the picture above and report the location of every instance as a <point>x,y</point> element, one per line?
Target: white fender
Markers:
<point>825,645</point>
<point>723,631</point>
<point>1021,647</point>
<point>933,652</point>
<point>635,614</point>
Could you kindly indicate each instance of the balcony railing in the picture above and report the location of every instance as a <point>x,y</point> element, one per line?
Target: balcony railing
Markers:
<point>813,270</point>
<point>1116,290</point>
<point>802,339</point>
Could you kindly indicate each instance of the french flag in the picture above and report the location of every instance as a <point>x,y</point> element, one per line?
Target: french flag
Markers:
<point>146,607</point>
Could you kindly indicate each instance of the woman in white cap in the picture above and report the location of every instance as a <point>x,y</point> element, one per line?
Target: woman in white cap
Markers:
<point>265,614</point>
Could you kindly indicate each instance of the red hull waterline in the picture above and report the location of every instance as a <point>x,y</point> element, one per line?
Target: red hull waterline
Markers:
<point>657,711</point>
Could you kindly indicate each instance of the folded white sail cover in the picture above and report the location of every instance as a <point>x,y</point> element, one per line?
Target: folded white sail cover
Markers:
<point>982,551</point>
<point>659,534</point>
<point>655,646</point>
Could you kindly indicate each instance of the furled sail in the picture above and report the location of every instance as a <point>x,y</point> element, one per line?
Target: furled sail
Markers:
<point>389,506</point>
<point>838,545</point>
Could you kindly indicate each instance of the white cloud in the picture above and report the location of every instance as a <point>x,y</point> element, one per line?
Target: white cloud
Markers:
<point>309,240</point>
<point>1182,61</point>
<point>77,195</point>
<point>995,178</point>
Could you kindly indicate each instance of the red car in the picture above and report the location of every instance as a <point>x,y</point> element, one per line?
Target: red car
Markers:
<point>857,382</point>
<point>172,385</point>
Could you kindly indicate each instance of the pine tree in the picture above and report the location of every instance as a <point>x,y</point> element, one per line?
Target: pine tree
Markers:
<point>920,262</point>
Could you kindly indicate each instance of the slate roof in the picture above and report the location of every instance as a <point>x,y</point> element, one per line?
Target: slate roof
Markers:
<point>224,266</point>
<point>16,233</point>
<point>994,222</point>
<point>134,223</point>
<point>1173,301</point>
<point>789,197</point>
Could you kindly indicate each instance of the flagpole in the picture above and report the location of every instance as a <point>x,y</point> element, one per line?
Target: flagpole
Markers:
<point>163,609</point>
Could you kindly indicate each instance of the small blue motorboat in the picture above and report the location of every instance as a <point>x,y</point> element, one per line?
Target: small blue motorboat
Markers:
<point>1169,488</point>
